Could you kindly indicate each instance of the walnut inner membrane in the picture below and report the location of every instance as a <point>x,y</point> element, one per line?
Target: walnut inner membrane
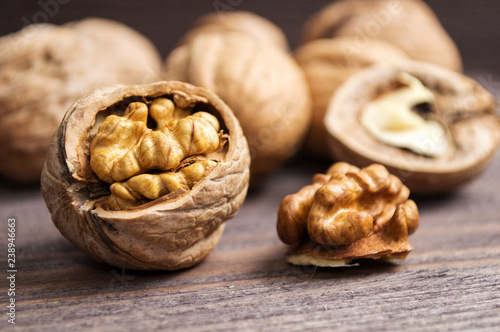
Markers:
<point>153,148</point>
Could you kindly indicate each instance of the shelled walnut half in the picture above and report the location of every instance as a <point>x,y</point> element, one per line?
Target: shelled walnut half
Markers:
<point>433,128</point>
<point>145,176</point>
<point>348,214</point>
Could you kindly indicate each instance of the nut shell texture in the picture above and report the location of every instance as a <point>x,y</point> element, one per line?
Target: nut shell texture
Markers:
<point>262,84</point>
<point>45,68</point>
<point>411,26</point>
<point>252,24</point>
<point>173,232</point>
<point>463,107</point>
<point>327,63</point>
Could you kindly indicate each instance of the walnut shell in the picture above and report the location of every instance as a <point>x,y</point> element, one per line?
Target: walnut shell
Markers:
<point>463,107</point>
<point>46,67</point>
<point>173,232</point>
<point>411,26</point>
<point>327,63</point>
<point>256,26</point>
<point>262,84</point>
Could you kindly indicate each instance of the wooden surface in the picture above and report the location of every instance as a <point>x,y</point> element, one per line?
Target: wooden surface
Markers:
<point>451,281</point>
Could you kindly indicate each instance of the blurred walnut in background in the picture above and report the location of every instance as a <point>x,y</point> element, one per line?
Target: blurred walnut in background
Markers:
<point>348,36</point>
<point>256,77</point>
<point>44,68</point>
<point>409,25</point>
<point>257,26</point>
<point>327,63</point>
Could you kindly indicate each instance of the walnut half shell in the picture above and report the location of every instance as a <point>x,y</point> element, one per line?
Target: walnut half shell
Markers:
<point>464,110</point>
<point>172,232</point>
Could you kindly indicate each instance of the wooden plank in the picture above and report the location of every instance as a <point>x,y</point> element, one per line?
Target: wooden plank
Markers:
<point>450,281</point>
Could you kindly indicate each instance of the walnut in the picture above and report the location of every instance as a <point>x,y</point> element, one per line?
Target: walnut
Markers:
<point>347,214</point>
<point>262,84</point>
<point>327,63</point>
<point>250,23</point>
<point>410,26</point>
<point>124,146</point>
<point>433,128</point>
<point>44,68</point>
<point>145,176</point>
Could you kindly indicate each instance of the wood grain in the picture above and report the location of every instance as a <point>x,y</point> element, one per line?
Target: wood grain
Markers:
<point>450,282</point>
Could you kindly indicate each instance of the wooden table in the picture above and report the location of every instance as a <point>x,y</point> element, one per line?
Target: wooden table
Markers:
<point>451,281</point>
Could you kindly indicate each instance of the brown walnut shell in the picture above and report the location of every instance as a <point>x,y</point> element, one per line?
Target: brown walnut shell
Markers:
<point>327,63</point>
<point>411,26</point>
<point>263,85</point>
<point>465,109</point>
<point>256,26</point>
<point>173,232</point>
<point>44,68</point>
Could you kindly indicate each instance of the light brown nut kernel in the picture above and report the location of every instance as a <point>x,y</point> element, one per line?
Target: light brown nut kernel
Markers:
<point>143,188</point>
<point>464,111</point>
<point>44,68</point>
<point>410,26</point>
<point>263,85</point>
<point>355,214</point>
<point>169,224</point>
<point>124,146</point>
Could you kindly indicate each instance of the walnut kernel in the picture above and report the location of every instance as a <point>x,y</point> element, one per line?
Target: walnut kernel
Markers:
<point>347,214</point>
<point>178,165</point>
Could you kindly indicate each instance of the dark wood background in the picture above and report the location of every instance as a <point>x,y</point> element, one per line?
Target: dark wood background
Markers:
<point>451,281</point>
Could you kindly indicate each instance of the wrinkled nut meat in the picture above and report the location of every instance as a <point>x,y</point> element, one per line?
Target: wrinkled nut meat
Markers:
<point>348,214</point>
<point>44,68</point>
<point>327,63</point>
<point>433,128</point>
<point>125,147</point>
<point>410,26</point>
<point>145,176</point>
<point>262,84</point>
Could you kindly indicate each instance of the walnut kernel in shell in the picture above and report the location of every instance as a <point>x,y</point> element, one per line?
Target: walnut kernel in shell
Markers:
<point>465,109</point>
<point>172,232</point>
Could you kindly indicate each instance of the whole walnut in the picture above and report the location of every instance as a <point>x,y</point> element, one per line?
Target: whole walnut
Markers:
<point>327,63</point>
<point>411,26</point>
<point>255,25</point>
<point>261,83</point>
<point>144,176</point>
<point>44,68</point>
